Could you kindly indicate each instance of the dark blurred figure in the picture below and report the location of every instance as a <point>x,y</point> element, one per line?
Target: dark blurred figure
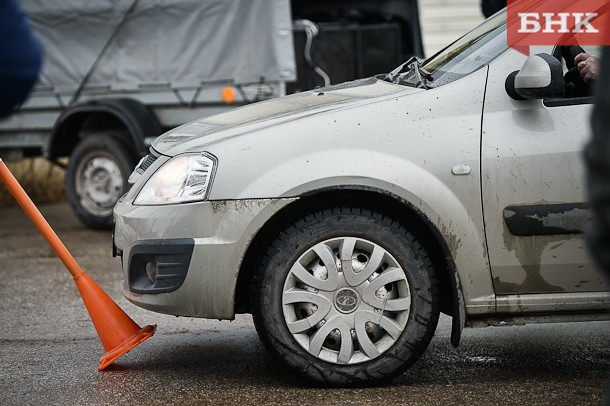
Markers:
<point>490,7</point>
<point>597,157</point>
<point>20,57</point>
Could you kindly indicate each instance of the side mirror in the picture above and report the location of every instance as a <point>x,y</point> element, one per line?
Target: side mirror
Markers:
<point>540,77</point>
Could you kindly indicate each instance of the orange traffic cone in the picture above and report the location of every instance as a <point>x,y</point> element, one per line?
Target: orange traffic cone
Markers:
<point>117,331</point>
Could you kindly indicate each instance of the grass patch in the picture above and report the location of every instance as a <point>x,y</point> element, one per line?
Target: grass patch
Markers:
<point>41,180</point>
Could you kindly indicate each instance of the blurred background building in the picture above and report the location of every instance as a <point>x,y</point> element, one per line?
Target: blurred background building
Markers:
<point>443,21</point>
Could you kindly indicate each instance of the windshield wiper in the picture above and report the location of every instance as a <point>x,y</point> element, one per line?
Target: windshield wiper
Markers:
<point>422,77</point>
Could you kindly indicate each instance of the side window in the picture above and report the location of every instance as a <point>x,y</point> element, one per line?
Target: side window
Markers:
<point>593,50</point>
<point>577,91</point>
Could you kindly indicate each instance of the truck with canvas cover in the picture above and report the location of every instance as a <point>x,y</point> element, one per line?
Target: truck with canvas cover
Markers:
<point>118,73</point>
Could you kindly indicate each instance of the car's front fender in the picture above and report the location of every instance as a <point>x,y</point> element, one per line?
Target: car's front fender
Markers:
<point>456,220</point>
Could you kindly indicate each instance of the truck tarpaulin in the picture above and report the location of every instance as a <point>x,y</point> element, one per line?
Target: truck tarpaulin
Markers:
<point>127,44</point>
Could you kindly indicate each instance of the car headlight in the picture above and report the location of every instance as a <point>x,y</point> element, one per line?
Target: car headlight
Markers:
<point>184,178</point>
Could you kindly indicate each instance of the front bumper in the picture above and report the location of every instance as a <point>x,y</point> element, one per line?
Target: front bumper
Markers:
<point>202,282</point>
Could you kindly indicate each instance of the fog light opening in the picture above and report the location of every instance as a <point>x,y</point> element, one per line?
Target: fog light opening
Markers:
<point>151,271</point>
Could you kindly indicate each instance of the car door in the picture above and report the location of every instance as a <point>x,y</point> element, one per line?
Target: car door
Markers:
<point>534,199</point>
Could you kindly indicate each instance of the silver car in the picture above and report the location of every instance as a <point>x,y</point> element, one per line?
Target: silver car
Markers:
<point>346,219</point>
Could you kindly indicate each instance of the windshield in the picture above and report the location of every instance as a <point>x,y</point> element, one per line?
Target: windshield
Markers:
<point>471,52</point>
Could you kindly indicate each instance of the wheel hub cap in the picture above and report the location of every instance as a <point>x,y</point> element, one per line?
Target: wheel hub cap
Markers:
<point>346,300</point>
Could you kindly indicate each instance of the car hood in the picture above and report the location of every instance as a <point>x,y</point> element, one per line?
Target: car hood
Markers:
<point>272,112</point>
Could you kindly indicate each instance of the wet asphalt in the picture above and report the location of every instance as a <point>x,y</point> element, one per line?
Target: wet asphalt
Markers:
<point>49,349</point>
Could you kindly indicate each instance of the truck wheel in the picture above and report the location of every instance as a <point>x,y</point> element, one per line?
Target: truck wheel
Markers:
<point>346,297</point>
<point>96,178</point>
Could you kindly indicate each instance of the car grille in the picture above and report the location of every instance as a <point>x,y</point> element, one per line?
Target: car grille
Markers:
<point>147,162</point>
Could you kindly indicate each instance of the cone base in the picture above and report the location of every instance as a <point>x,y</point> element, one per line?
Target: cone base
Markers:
<point>127,345</point>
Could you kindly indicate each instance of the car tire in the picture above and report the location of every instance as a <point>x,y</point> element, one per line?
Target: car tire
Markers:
<point>96,178</point>
<point>322,282</point>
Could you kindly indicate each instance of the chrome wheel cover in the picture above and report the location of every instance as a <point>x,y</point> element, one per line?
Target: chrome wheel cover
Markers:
<point>346,300</point>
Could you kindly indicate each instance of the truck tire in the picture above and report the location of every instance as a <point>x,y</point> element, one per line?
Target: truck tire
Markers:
<point>346,297</point>
<point>96,178</point>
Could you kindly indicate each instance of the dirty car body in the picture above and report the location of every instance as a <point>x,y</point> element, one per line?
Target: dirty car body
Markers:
<point>347,218</point>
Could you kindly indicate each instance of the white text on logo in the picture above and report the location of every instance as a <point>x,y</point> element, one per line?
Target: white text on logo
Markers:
<point>557,23</point>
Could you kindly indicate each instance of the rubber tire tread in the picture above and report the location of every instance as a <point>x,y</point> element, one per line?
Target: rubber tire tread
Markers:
<point>337,222</point>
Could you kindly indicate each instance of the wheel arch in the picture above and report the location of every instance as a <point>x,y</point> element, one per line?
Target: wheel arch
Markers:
<point>414,220</point>
<point>126,115</point>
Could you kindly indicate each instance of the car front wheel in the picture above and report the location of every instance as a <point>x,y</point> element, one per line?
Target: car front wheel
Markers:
<point>346,297</point>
